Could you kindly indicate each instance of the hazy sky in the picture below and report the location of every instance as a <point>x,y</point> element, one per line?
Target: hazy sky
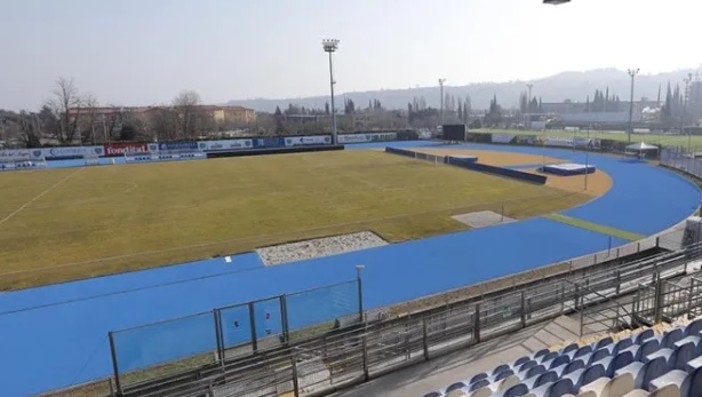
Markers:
<point>140,52</point>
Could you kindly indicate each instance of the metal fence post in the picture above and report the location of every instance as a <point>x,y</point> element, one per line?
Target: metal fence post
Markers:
<point>659,297</point>
<point>689,298</point>
<point>359,280</point>
<point>252,324</point>
<point>476,323</point>
<point>619,281</point>
<point>284,319</point>
<point>218,335</point>
<point>115,365</point>
<point>425,346</point>
<point>523,312</point>
<point>296,386</point>
<point>577,297</point>
<point>364,346</point>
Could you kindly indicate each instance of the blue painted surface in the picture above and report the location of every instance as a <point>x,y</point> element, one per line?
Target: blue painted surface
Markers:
<point>81,162</point>
<point>67,342</point>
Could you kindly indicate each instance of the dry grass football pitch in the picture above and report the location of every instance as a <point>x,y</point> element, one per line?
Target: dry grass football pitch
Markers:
<point>65,224</point>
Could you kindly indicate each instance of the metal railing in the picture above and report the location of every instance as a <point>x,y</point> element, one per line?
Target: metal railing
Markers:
<point>323,364</point>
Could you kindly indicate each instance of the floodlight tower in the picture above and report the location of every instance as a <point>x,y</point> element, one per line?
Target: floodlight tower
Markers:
<point>632,73</point>
<point>330,46</point>
<point>441,85</point>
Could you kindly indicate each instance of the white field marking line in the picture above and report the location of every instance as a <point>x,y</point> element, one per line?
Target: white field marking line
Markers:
<point>38,196</point>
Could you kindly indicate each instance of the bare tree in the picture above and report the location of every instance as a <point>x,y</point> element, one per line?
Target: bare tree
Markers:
<point>29,129</point>
<point>90,104</point>
<point>65,99</point>
<point>163,123</point>
<point>185,105</point>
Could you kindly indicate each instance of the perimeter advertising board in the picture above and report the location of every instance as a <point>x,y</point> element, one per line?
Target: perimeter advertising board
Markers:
<point>307,140</point>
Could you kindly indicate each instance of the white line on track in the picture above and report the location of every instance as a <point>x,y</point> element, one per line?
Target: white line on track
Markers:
<point>38,196</point>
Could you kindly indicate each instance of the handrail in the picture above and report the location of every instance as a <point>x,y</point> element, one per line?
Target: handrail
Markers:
<point>606,298</point>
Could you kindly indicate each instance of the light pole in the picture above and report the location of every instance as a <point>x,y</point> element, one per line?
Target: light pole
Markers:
<point>686,99</point>
<point>587,156</point>
<point>632,73</point>
<point>330,46</point>
<point>441,85</point>
<point>528,108</point>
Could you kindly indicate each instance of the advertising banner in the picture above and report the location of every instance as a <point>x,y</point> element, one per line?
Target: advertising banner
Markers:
<point>580,142</point>
<point>502,138</point>
<point>229,144</point>
<point>69,151</point>
<point>120,149</point>
<point>184,145</point>
<point>269,142</point>
<point>353,138</point>
<point>17,153</point>
<point>308,140</point>
<point>558,141</point>
<point>383,136</point>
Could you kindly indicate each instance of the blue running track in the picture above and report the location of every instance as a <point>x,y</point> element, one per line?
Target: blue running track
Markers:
<point>55,336</point>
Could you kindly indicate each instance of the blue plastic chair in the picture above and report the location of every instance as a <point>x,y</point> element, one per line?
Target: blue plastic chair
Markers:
<point>454,386</point>
<point>694,328</point>
<point>516,391</point>
<point>644,335</point>
<point>478,377</point>
<point>569,348</point>
<point>573,366</point>
<point>622,344</point>
<point>671,337</point>
<point>692,385</point>
<point>682,355</point>
<point>604,342</point>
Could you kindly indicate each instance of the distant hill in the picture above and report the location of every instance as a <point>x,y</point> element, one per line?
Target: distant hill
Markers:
<point>567,85</point>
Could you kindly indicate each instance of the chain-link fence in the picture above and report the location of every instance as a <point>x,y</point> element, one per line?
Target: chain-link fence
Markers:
<point>682,159</point>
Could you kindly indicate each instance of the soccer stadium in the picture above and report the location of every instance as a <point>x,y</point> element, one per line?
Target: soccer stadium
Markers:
<point>453,245</point>
<point>547,249</point>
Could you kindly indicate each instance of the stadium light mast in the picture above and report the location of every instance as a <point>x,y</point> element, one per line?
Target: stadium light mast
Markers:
<point>686,103</point>
<point>632,74</point>
<point>330,46</point>
<point>441,85</point>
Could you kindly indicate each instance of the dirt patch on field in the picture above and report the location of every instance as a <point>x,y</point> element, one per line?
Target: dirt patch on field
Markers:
<point>495,158</point>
